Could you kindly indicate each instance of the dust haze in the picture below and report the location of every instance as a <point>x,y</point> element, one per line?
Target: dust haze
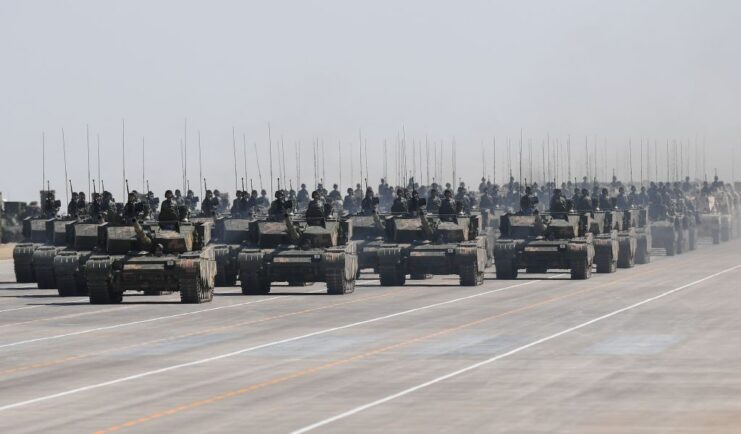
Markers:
<point>598,74</point>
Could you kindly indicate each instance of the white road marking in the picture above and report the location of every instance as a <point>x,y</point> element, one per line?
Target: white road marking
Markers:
<point>500,356</point>
<point>126,324</point>
<point>257,347</point>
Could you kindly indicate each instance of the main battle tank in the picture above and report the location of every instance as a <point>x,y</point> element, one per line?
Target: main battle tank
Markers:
<point>675,234</point>
<point>231,235</point>
<point>604,226</point>
<point>294,251</point>
<point>35,235</point>
<point>69,264</point>
<point>708,218</point>
<point>640,223</point>
<point>153,260</point>
<point>60,231</point>
<point>429,244</point>
<point>369,235</point>
<point>544,242</point>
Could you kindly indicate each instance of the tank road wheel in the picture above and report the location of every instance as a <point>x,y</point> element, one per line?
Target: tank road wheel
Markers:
<point>606,264</point>
<point>391,276</point>
<point>581,269</point>
<point>643,255</point>
<point>505,269</point>
<point>255,283</point>
<point>337,283</point>
<point>470,275</point>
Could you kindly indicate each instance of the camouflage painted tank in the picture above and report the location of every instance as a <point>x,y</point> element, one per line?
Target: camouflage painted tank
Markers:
<point>69,264</point>
<point>61,232</point>
<point>231,235</point>
<point>34,260</point>
<point>708,219</point>
<point>153,260</point>
<point>295,252</point>
<point>675,234</point>
<point>35,235</point>
<point>429,245</point>
<point>545,242</point>
<point>369,235</point>
<point>642,226</point>
<point>604,226</point>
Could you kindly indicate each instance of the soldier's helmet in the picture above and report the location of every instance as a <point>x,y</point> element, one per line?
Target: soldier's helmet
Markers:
<point>315,195</point>
<point>216,193</point>
<point>349,190</point>
<point>263,192</point>
<point>168,194</point>
<point>303,186</point>
<point>334,186</point>
<point>528,190</point>
<point>279,194</point>
<point>584,192</point>
<point>448,193</point>
<point>177,192</point>
<point>399,191</point>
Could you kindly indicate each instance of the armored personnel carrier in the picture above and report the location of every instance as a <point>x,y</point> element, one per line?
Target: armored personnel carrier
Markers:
<point>295,251</point>
<point>69,264</point>
<point>544,242</point>
<point>153,259</point>
<point>435,245</point>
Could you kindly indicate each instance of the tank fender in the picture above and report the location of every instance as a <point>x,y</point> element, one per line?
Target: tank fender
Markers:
<point>389,255</point>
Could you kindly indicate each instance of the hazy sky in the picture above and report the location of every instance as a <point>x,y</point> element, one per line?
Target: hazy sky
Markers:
<point>467,70</point>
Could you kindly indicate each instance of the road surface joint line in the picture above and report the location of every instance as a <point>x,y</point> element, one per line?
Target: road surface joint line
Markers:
<point>504,355</point>
<point>256,347</point>
<point>365,355</point>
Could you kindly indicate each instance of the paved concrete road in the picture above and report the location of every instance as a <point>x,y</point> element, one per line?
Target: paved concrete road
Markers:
<point>651,349</point>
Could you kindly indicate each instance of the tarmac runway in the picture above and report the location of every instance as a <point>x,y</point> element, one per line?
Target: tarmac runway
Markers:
<point>656,348</point>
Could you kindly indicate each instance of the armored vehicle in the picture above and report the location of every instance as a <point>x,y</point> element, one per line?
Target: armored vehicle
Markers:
<point>35,235</point>
<point>708,218</point>
<point>369,235</point>
<point>435,245</point>
<point>295,251</point>
<point>604,226</point>
<point>230,234</point>
<point>640,222</point>
<point>10,220</point>
<point>675,234</point>
<point>153,259</point>
<point>543,242</point>
<point>69,264</point>
<point>60,231</point>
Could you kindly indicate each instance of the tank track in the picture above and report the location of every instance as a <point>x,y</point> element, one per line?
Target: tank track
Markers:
<point>43,264</point>
<point>69,275</point>
<point>23,263</point>
<point>193,287</point>
<point>99,282</point>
